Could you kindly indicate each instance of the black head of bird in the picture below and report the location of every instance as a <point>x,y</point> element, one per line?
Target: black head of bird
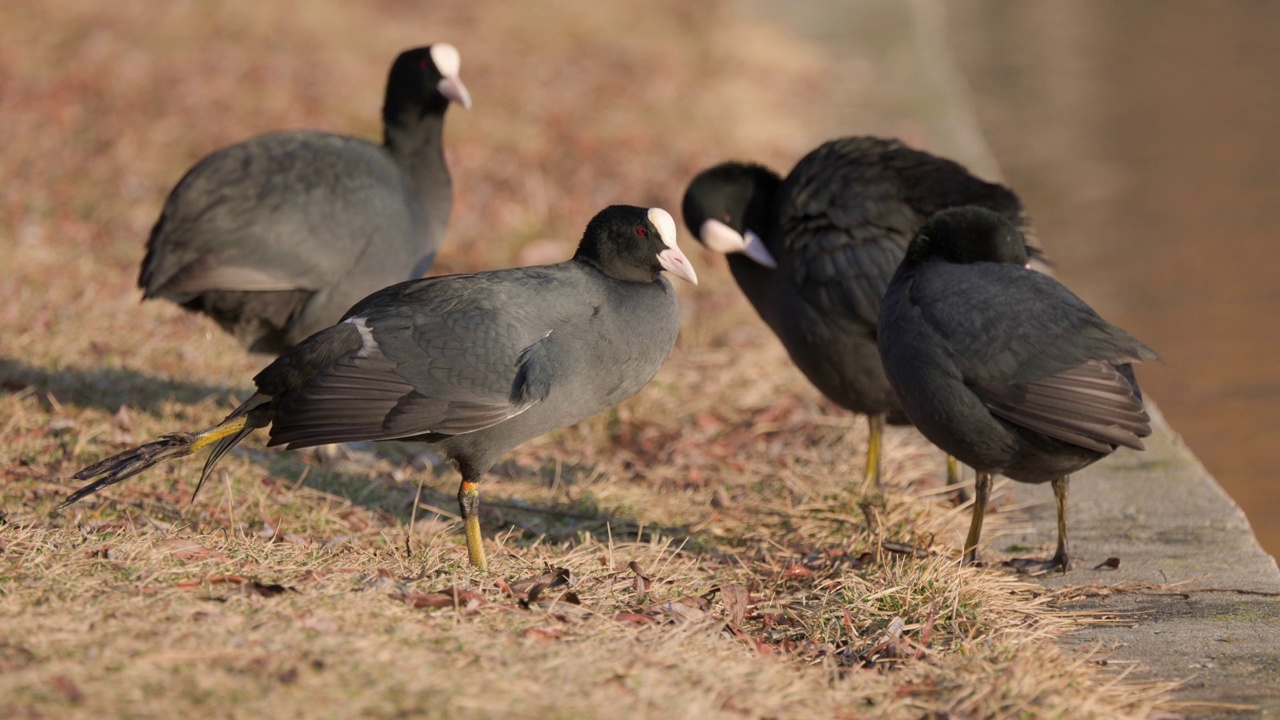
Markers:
<point>729,207</point>
<point>424,81</point>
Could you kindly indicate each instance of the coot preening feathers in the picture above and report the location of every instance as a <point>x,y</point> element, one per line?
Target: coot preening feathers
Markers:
<point>814,252</point>
<point>277,236</point>
<point>472,364</point>
<point>1003,367</point>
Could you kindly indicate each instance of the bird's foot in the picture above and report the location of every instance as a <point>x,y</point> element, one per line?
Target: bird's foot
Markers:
<point>1031,566</point>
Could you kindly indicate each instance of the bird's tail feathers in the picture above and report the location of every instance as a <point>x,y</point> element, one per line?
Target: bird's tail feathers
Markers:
<point>122,466</point>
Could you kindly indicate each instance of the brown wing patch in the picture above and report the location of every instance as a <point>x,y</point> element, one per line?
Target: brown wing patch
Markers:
<point>1091,405</point>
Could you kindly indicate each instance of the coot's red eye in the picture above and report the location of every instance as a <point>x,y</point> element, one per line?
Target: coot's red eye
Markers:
<point>424,64</point>
<point>642,230</point>
<point>726,217</point>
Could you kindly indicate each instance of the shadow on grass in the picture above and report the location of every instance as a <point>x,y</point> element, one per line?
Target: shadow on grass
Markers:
<point>361,478</point>
<point>109,388</point>
<point>355,480</point>
<point>520,522</point>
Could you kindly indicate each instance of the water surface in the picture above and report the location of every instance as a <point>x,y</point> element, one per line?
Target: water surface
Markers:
<point>1144,137</point>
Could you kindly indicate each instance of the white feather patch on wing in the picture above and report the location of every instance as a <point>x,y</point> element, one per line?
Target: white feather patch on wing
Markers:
<point>368,345</point>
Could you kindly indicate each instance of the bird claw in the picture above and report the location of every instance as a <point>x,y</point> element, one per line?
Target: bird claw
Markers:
<point>1033,567</point>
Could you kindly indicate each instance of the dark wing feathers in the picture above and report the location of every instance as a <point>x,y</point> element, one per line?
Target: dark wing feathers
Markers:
<point>420,368</point>
<point>1035,354</point>
<point>1018,325</point>
<point>849,208</point>
<point>1092,405</point>
<point>533,379</point>
<point>238,219</point>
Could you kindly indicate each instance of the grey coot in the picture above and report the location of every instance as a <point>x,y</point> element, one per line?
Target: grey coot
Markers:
<point>277,236</point>
<point>472,364</point>
<point>1003,367</point>
<point>814,252</point>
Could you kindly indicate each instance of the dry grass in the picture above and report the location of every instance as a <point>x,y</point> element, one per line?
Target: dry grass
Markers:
<point>700,551</point>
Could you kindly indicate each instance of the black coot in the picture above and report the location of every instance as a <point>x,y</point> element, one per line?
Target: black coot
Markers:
<point>472,364</point>
<point>814,252</point>
<point>277,236</point>
<point>1003,367</point>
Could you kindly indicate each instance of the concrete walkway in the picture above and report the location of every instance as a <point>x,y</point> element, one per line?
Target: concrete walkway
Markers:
<point>1197,592</point>
<point>1175,531</point>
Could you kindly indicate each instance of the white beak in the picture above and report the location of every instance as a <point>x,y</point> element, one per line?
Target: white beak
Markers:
<point>674,262</point>
<point>724,239</point>
<point>448,62</point>
<point>452,88</point>
<point>755,249</point>
<point>671,259</point>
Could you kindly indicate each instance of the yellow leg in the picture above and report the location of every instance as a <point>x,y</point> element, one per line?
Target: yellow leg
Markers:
<point>469,504</point>
<point>1062,558</point>
<point>875,427</point>
<point>214,434</point>
<point>982,489</point>
<point>954,477</point>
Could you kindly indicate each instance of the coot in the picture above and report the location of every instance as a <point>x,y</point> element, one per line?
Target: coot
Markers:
<point>277,236</point>
<point>1003,367</point>
<point>814,252</point>
<point>472,364</point>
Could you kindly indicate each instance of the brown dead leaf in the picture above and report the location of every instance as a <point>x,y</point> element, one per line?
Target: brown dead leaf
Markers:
<point>554,605</point>
<point>736,599</point>
<point>99,551</point>
<point>543,634</point>
<point>685,610</point>
<point>68,689</point>
<point>184,549</point>
<point>1111,563</point>
<point>642,583</point>
<point>888,646</point>
<point>796,572</point>
<point>453,597</point>
<point>555,577</point>
<point>634,618</point>
<point>708,422</point>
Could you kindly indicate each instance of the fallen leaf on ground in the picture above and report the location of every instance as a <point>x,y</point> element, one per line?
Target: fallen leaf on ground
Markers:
<point>634,618</point>
<point>555,577</point>
<point>184,549</point>
<point>543,634</point>
<point>68,689</point>
<point>452,597</point>
<point>642,583</point>
<point>735,598</point>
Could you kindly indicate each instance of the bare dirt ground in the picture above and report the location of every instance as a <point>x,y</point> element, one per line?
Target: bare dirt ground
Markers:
<point>703,551</point>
